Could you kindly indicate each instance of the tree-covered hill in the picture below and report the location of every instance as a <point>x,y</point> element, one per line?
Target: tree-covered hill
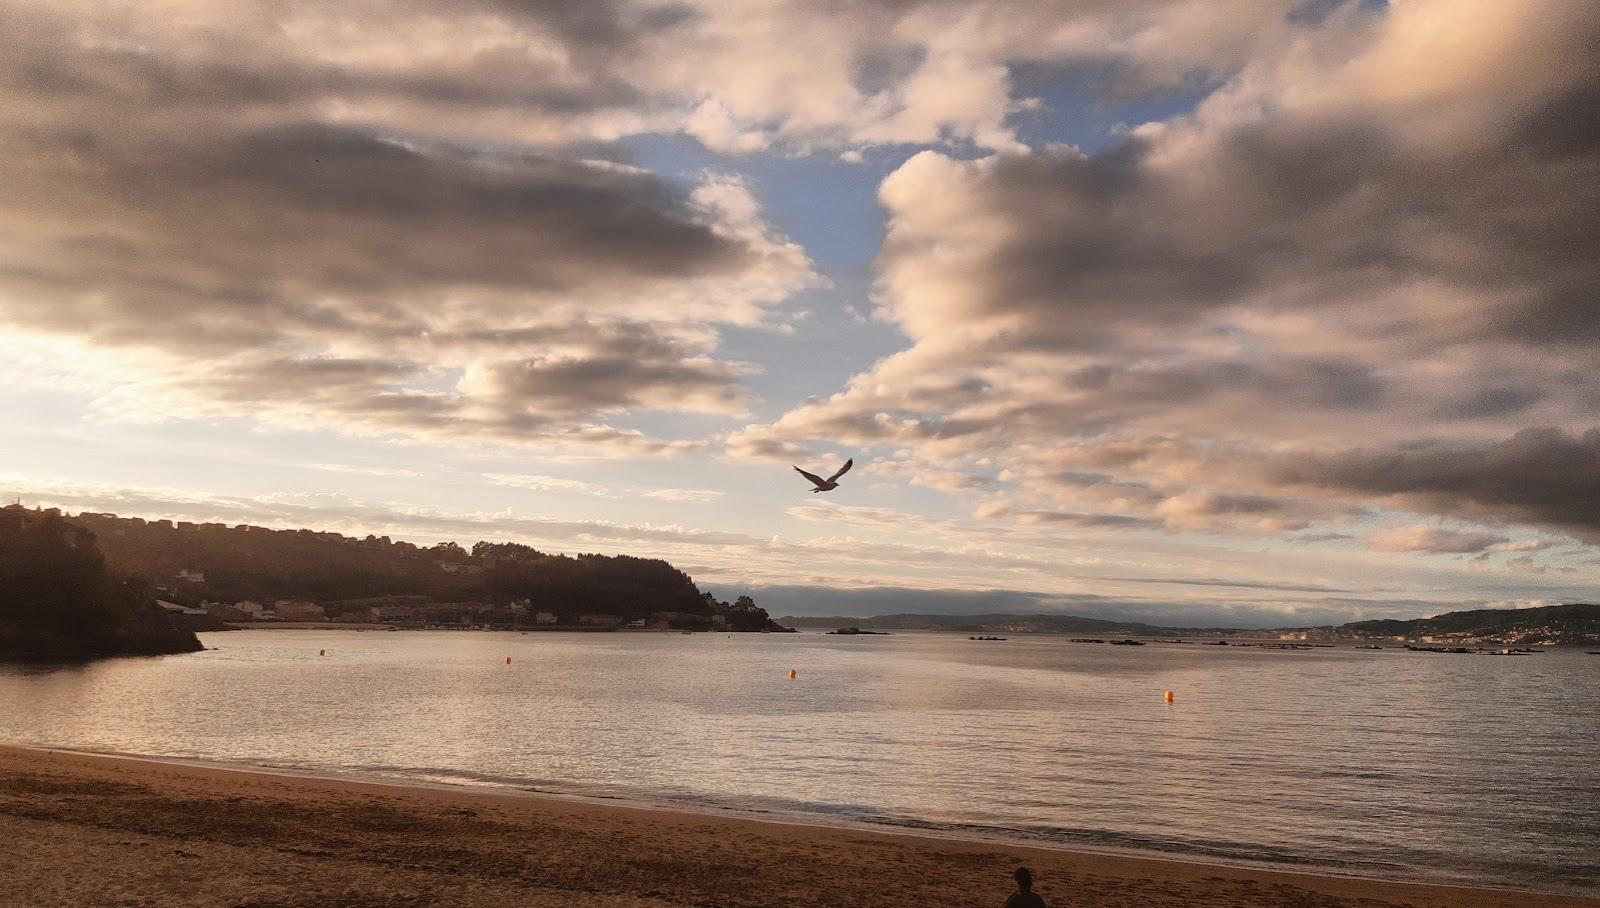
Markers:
<point>58,601</point>
<point>213,562</point>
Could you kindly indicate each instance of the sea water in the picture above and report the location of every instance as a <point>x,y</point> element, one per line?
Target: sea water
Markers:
<point>1443,768</point>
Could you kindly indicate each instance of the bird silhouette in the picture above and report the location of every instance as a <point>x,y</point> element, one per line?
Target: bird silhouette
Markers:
<point>829,484</point>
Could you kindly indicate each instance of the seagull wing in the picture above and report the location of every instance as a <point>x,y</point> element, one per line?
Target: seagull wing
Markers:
<point>815,479</point>
<point>843,470</point>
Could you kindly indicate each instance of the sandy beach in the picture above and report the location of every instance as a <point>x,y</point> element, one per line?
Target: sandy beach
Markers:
<point>85,829</point>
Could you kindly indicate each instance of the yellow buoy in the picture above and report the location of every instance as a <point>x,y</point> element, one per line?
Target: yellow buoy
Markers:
<point>1169,696</point>
<point>793,674</point>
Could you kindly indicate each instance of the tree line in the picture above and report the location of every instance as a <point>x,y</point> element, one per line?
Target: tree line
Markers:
<point>59,601</point>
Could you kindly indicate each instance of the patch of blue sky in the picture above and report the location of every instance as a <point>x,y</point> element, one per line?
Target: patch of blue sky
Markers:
<point>830,208</point>
<point>1082,109</point>
<point>825,204</point>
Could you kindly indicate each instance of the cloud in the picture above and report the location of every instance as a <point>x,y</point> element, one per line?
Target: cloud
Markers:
<point>688,495</point>
<point>390,472</point>
<point>1034,517</point>
<point>562,387</point>
<point>1525,564</point>
<point>1433,540</point>
<point>927,477</point>
<point>1236,584</point>
<point>341,513</point>
<point>1543,477</point>
<point>1526,545</point>
<point>406,220</point>
<point>291,221</point>
<point>800,74</point>
<point>840,75</point>
<point>1356,276</point>
<point>538,483</point>
<point>1332,249</point>
<point>758,443</point>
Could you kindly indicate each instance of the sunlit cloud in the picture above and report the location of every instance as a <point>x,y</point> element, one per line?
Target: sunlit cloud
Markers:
<point>1250,301</point>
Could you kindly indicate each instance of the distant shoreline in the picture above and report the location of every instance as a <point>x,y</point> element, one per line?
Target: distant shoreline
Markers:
<point>1238,640</point>
<point>535,629</point>
<point>193,833</point>
<point>354,626</point>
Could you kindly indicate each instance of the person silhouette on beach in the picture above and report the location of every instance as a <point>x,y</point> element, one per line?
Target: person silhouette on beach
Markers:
<point>1024,897</point>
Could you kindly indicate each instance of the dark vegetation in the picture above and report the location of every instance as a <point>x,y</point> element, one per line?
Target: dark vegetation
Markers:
<point>347,574</point>
<point>58,600</point>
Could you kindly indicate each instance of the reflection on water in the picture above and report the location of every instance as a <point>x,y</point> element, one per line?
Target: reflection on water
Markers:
<point>1445,768</point>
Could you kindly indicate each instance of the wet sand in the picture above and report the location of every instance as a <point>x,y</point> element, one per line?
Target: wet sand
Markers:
<point>82,829</point>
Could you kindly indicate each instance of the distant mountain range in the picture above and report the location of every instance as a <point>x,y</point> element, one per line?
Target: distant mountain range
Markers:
<point>1577,623</point>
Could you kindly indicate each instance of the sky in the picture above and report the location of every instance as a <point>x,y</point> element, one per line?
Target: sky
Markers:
<point>1246,312</point>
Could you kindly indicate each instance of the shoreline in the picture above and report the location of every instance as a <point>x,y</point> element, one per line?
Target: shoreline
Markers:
<point>265,815</point>
<point>710,809</point>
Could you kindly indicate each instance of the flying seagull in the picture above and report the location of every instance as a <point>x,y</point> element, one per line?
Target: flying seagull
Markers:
<point>826,485</point>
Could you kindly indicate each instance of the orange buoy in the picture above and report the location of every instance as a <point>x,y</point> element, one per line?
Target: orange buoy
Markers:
<point>793,674</point>
<point>1169,696</point>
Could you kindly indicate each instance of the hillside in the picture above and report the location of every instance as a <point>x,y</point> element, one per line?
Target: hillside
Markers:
<point>58,600</point>
<point>369,578</point>
<point>1552,624</point>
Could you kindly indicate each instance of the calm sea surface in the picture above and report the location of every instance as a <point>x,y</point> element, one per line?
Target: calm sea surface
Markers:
<point>1390,763</point>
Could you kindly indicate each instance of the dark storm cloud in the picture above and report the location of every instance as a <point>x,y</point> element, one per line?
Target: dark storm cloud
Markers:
<point>1499,400</point>
<point>613,382</point>
<point>1080,250</point>
<point>1546,477</point>
<point>258,225</point>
